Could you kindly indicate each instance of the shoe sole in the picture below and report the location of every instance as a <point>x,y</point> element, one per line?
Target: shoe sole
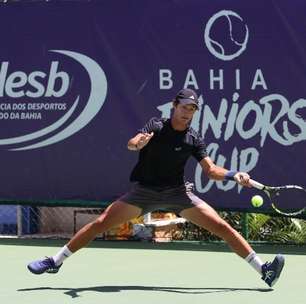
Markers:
<point>281,263</point>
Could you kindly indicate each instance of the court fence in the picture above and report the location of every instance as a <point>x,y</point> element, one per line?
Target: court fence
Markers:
<point>62,219</point>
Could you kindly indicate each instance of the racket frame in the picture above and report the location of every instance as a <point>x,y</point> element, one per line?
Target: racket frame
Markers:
<point>269,191</point>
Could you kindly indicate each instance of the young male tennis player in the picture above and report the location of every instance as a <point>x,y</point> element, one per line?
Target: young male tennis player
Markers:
<point>164,147</point>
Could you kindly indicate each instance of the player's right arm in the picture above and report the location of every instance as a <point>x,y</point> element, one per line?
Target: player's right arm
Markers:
<point>139,141</point>
<point>216,172</point>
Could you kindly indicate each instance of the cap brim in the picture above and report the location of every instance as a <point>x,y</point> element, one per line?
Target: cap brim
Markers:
<point>189,101</point>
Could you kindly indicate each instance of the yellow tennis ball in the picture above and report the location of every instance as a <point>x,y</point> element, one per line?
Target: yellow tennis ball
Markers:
<point>257,201</point>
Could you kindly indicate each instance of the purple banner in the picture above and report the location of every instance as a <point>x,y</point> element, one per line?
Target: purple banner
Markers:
<point>78,79</point>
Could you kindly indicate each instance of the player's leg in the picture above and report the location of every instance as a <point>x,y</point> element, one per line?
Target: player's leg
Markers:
<point>205,216</point>
<point>117,213</point>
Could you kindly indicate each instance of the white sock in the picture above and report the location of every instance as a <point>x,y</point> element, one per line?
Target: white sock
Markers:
<point>62,255</point>
<point>254,260</point>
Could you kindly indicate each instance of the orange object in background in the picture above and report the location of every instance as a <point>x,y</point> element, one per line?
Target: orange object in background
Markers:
<point>159,234</point>
<point>164,234</point>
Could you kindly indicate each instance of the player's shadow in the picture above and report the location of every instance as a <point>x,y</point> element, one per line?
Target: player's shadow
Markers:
<point>75,292</point>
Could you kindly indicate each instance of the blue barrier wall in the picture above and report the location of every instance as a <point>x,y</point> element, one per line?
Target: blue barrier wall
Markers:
<point>78,79</point>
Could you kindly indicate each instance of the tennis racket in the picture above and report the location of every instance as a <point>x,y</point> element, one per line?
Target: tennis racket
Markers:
<point>288,200</point>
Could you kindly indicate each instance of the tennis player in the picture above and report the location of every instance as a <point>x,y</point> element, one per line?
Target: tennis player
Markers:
<point>164,147</point>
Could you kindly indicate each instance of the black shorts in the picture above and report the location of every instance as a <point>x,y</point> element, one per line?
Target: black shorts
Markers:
<point>171,199</point>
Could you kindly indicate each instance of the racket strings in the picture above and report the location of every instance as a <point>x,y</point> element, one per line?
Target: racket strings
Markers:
<point>293,198</point>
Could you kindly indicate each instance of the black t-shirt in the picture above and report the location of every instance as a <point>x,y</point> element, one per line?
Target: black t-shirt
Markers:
<point>162,161</point>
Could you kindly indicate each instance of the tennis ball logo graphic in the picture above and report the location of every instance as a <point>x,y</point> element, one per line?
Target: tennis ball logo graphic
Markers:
<point>226,35</point>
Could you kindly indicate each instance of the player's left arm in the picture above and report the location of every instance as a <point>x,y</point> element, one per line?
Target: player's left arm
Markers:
<point>219,173</point>
<point>139,141</point>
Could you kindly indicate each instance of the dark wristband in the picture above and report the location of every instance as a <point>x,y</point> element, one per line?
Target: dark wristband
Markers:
<point>230,175</point>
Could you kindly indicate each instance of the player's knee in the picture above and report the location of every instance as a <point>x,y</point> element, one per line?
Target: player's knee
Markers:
<point>98,225</point>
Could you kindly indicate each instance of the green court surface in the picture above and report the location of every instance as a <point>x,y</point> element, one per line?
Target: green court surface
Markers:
<point>130,272</point>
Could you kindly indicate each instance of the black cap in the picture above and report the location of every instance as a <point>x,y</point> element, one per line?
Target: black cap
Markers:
<point>187,96</point>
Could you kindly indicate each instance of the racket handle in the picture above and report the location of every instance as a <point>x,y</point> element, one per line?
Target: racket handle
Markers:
<point>256,184</point>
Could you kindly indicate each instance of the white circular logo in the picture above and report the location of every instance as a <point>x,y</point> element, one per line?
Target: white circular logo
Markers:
<point>52,134</point>
<point>226,35</point>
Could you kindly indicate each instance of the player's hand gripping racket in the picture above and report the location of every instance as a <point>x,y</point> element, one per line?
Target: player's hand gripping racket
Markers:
<point>289,200</point>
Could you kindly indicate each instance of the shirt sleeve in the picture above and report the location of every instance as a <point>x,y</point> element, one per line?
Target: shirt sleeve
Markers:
<point>153,125</point>
<point>199,151</point>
